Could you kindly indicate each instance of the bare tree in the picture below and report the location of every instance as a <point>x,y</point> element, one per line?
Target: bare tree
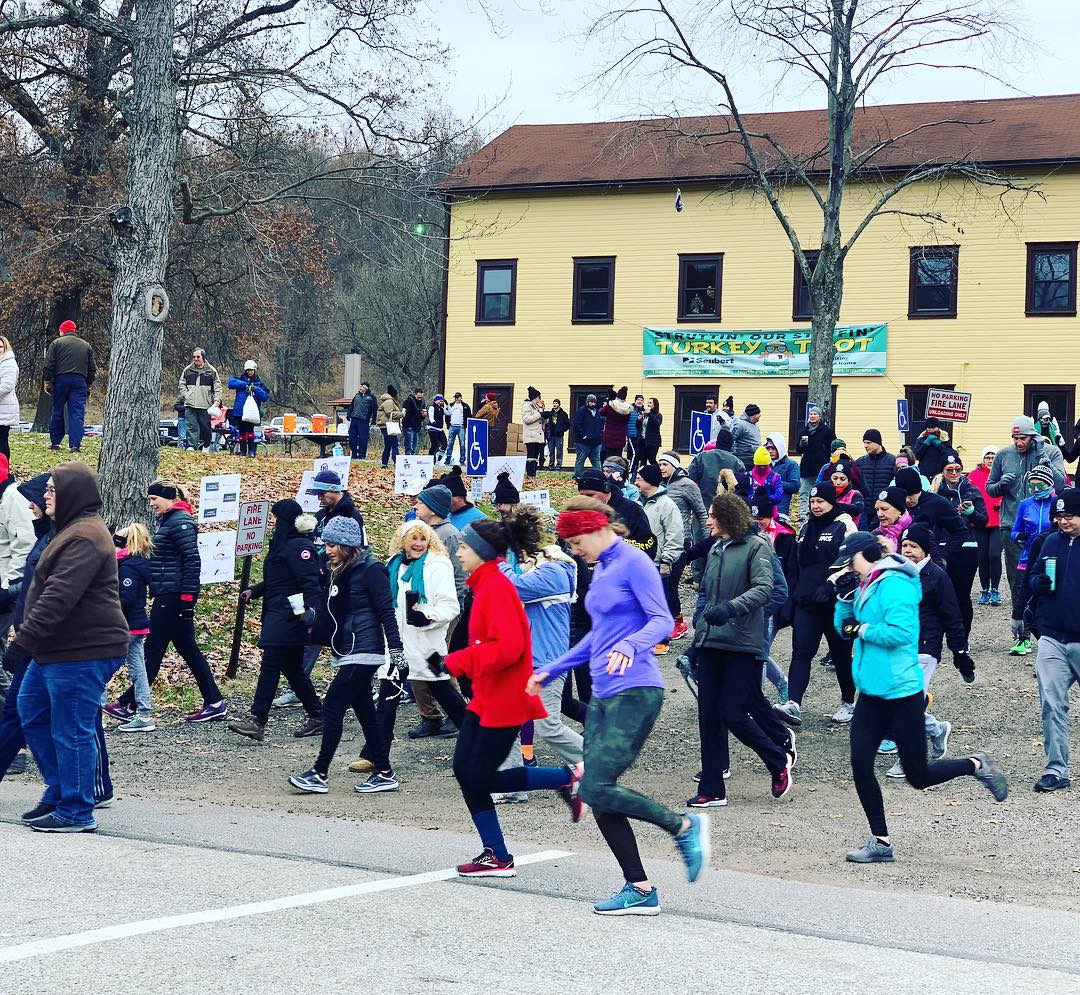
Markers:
<point>206,73</point>
<point>843,48</point>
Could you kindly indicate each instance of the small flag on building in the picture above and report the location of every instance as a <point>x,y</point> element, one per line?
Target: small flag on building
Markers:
<point>678,202</point>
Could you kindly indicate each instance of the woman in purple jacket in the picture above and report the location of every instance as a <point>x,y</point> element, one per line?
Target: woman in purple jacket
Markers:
<point>629,617</point>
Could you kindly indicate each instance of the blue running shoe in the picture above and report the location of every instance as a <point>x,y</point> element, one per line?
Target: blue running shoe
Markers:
<point>694,846</point>
<point>630,902</point>
<point>887,746</point>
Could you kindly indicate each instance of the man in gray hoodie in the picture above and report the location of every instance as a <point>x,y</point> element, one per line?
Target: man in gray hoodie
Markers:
<point>746,436</point>
<point>1008,480</point>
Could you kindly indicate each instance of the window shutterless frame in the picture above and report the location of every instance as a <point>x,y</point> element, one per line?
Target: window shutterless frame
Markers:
<point>802,309</point>
<point>1051,293</point>
<point>700,288</point>
<point>594,290</point>
<point>488,298</point>
<point>933,275</point>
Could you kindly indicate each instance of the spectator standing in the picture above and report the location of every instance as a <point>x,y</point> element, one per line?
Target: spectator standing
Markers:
<point>458,414</point>
<point>76,636</point>
<point>248,387</point>
<point>776,445</point>
<point>389,420</point>
<point>362,414</point>
<point>9,400</point>
<point>814,446</point>
<point>876,469</point>
<point>746,436</point>
<point>17,538</point>
<point>651,422</point>
<point>633,432</point>
<point>588,435</point>
<point>558,424</point>
<point>932,449</point>
<point>413,420</point>
<point>436,427</point>
<point>616,415</point>
<point>532,430</point>
<point>988,536</point>
<point>707,466</point>
<point>69,374</point>
<point>490,411</point>
<point>200,388</point>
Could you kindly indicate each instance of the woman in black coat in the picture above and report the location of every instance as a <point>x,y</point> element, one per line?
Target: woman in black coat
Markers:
<point>650,431</point>
<point>290,591</point>
<point>175,567</point>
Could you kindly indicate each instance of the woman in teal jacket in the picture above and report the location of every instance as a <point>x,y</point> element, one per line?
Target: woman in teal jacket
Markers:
<point>877,606</point>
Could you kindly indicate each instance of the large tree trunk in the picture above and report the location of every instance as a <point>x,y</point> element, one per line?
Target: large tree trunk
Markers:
<point>827,291</point>
<point>129,451</point>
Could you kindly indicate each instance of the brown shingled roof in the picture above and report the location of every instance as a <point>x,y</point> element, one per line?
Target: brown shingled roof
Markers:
<point>1017,131</point>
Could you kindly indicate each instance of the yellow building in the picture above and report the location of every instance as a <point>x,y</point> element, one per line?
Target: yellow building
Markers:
<point>566,244</point>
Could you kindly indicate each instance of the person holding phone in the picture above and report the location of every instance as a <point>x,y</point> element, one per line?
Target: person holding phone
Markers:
<point>963,562</point>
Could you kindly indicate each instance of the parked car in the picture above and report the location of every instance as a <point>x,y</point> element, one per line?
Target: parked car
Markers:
<point>168,433</point>
<point>273,431</point>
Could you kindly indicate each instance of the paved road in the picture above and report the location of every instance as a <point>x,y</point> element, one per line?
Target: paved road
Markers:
<point>171,897</point>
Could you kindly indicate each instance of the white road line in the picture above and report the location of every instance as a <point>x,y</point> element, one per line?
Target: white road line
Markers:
<point>69,941</point>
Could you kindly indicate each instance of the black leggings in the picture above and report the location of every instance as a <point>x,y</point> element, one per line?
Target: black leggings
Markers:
<point>287,661</point>
<point>5,446</point>
<point>443,692</point>
<point>167,626</point>
<point>806,632</point>
<point>351,688</point>
<point>533,454</point>
<point>989,540</point>
<point>577,708</point>
<point>901,720</point>
<point>477,756</point>
<point>961,567</point>
<point>648,455</point>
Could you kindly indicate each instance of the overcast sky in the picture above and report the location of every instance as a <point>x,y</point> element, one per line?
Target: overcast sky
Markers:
<point>530,69</point>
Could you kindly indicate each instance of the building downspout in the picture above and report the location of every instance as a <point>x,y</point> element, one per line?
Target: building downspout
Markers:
<point>441,385</point>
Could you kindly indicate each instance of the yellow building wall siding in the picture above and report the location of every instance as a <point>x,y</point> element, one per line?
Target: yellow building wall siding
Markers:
<point>991,349</point>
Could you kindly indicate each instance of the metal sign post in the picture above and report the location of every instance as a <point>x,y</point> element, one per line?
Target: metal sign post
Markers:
<point>250,540</point>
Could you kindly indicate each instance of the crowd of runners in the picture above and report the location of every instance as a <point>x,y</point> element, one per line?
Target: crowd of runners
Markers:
<point>517,626</point>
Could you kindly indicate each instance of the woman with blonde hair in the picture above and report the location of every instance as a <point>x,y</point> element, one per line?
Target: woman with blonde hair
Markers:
<point>133,549</point>
<point>425,604</point>
<point>9,401</point>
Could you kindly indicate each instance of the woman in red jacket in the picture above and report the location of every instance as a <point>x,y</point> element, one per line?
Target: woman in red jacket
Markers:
<point>989,535</point>
<point>498,663</point>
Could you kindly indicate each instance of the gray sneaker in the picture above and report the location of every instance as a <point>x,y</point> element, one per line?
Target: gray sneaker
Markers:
<point>510,798</point>
<point>939,744</point>
<point>287,699</point>
<point>873,851</point>
<point>140,723</point>
<point>789,712</point>
<point>896,770</point>
<point>992,777</point>
<point>377,782</point>
<point>844,713</point>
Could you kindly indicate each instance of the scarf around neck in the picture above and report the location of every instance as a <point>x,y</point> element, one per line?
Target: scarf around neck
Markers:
<point>413,577</point>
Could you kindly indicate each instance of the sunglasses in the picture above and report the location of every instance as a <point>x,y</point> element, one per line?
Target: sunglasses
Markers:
<point>49,489</point>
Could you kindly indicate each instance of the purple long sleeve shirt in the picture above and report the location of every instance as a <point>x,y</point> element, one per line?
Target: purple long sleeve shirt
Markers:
<point>629,615</point>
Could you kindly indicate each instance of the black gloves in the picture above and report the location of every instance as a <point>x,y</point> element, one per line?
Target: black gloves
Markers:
<point>435,664</point>
<point>846,585</point>
<point>1041,584</point>
<point>412,615</point>
<point>966,666</point>
<point>719,614</point>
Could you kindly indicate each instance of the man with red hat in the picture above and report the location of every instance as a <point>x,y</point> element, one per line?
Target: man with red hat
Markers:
<point>69,374</point>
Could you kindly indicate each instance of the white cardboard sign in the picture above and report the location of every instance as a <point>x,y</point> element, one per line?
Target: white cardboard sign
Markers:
<point>251,528</point>
<point>309,502</point>
<point>412,471</point>
<point>219,498</point>
<point>541,500</point>
<point>514,465</point>
<point>216,552</point>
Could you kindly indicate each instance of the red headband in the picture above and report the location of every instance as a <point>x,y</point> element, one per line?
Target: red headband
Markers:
<point>576,523</point>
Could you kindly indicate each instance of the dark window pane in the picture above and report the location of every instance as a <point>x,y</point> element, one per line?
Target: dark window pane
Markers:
<point>933,298</point>
<point>934,270</point>
<point>701,276</point>
<point>496,307</point>
<point>699,302</point>
<point>497,281</point>
<point>1052,296</point>
<point>593,304</point>
<point>1052,265</point>
<point>593,277</point>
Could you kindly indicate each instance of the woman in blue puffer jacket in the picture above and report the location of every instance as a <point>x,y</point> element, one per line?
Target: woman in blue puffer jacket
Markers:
<point>877,607</point>
<point>248,384</point>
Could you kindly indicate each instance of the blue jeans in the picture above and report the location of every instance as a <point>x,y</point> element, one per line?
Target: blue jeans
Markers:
<point>586,452</point>
<point>11,734</point>
<point>389,448</point>
<point>412,439</point>
<point>69,391</point>
<point>457,434</point>
<point>59,706</point>
<point>359,431</point>
<point>554,446</point>
<point>181,428</point>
